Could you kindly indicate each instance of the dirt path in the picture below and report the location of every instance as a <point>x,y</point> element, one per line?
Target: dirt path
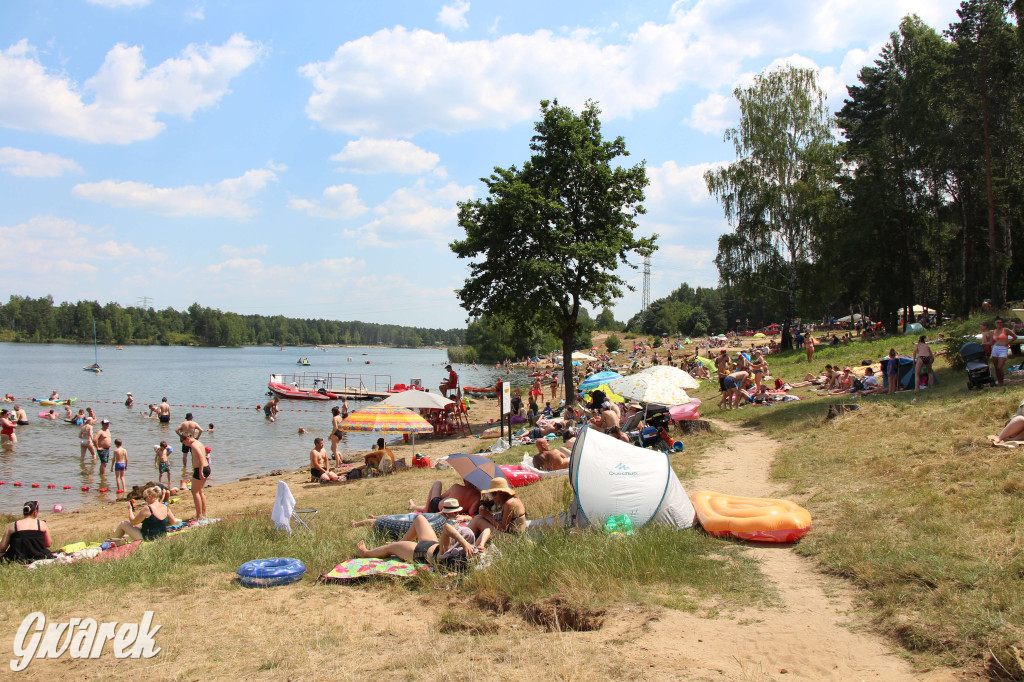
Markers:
<point>813,635</point>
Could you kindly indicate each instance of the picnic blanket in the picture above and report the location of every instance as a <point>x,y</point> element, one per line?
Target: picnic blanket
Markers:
<point>353,569</point>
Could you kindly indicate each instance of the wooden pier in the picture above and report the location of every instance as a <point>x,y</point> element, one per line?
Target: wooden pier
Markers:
<point>351,386</point>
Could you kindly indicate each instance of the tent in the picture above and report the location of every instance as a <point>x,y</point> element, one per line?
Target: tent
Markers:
<point>609,477</point>
<point>918,309</point>
<point>906,371</point>
<point>850,318</point>
<point>914,328</point>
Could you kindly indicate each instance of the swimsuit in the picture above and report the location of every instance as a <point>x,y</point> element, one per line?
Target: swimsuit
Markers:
<point>316,473</point>
<point>152,527</point>
<point>728,383</point>
<point>338,433</point>
<point>164,467</point>
<point>26,546</point>
<point>434,506</point>
<point>104,454</point>
<point>85,441</point>
<point>22,422</point>
<point>423,552</point>
<point>165,419</point>
<point>120,466</point>
<point>206,473</point>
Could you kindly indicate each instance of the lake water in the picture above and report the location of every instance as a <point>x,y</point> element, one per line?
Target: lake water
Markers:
<point>229,382</point>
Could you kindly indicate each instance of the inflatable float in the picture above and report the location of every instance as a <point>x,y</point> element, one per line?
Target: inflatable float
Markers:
<point>479,392</point>
<point>397,525</point>
<point>518,476</point>
<point>270,572</point>
<point>750,518</point>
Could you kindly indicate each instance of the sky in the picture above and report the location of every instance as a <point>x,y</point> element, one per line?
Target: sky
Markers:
<point>305,158</point>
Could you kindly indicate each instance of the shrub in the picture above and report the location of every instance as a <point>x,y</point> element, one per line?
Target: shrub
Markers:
<point>612,343</point>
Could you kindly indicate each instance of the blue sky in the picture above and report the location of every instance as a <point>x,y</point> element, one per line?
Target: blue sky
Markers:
<point>305,158</point>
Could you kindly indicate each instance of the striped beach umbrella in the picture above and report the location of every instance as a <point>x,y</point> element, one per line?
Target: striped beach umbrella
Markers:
<point>595,380</point>
<point>476,470</point>
<point>384,418</point>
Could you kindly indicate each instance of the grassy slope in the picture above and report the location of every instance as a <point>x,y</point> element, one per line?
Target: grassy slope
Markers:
<point>910,502</point>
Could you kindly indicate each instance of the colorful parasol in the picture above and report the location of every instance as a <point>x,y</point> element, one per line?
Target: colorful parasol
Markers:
<point>385,418</point>
<point>476,470</point>
<point>662,385</point>
<point>595,380</point>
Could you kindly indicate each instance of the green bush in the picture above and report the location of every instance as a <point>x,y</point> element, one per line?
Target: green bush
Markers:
<point>462,354</point>
<point>612,343</point>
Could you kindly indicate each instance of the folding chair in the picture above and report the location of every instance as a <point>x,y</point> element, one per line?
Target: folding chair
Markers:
<point>304,517</point>
<point>284,511</point>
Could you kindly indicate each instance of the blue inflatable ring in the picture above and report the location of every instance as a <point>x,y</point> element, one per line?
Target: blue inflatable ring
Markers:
<point>271,572</point>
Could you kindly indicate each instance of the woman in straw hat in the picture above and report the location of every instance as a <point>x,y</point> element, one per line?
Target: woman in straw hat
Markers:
<point>511,518</point>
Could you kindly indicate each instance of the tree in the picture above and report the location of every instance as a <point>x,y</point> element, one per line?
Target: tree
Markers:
<point>783,177</point>
<point>550,236</point>
<point>605,321</point>
<point>612,343</point>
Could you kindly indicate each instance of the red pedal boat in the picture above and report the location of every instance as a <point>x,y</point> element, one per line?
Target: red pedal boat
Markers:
<point>294,392</point>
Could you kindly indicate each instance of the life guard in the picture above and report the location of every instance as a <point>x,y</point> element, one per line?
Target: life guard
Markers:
<point>451,384</point>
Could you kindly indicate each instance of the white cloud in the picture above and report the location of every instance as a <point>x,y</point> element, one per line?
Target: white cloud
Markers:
<point>123,101</point>
<point>454,16</point>
<point>32,164</point>
<point>228,198</point>
<point>672,185</point>
<point>368,155</point>
<point>197,13</point>
<point>47,245</point>
<point>713,114</point>
<point>338,202</point>
<point>119,3</point>
<point>414,214</point>
<point>398,81</point>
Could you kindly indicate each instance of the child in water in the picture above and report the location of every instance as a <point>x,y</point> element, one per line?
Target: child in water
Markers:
<point>163,466</point>
<point>210,429</point>
<point>120,464</point>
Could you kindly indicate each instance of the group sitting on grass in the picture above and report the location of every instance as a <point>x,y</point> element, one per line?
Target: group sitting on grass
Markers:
<point>495,510</point>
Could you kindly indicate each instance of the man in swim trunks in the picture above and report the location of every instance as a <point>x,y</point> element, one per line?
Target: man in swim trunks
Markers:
<point>319,465</point>
<point>163,411</point>
<point>188,428</point>
<point>22,418</point>
<point>734,387</point>
<point>200,473</point>
<point>467,495</point>
<point>270,409</point>
<point>103,443</point>
<point>547,459</point>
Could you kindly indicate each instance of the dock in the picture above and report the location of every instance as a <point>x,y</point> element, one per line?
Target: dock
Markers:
<point>351,386</point>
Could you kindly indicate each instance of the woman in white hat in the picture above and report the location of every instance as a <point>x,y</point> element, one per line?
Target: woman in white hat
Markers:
<point>511,518</point>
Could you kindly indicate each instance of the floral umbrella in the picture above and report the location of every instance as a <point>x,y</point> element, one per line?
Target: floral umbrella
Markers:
<point>661,385</point>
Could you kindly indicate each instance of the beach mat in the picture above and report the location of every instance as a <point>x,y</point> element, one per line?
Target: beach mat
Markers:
<point>355,569</point>
<point>119,552</point>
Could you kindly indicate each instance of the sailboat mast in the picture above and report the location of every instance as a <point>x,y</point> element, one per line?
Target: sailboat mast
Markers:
<point>95,348</point>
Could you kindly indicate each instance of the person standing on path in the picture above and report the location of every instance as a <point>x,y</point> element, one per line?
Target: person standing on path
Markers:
<point>1001,338</point>
<point>103,443</point>
<point>163,411</point>
<point>187,429</point>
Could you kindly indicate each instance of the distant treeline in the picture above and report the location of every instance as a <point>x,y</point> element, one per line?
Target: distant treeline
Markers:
<point>40,320</point>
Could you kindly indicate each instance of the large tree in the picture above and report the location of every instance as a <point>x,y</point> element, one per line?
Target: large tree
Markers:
<point>551,236</point>
<point>783,179</point>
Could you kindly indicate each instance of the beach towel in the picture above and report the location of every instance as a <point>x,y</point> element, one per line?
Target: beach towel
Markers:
<point>284,504</point>
<point>353,569</point>
<point>119,552</point>
<point>527,464</point>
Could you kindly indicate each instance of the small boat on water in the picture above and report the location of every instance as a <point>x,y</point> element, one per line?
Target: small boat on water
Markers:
<point>304,363</point>
<point>279,388</point>
<point>95,366</point>
<point>480,392</point>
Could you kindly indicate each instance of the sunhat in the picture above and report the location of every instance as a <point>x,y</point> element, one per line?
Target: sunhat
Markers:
<point>634,406</point>
<point>500,485</point>
<point>450,506</point>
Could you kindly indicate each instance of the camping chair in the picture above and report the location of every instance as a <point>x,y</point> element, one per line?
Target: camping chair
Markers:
<point>284,511</point>
<point>304,517</point>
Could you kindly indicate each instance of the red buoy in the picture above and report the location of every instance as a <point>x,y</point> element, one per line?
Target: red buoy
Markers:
<point>67,487</point>
<point>17,484</point>
<point>35,485</point>
<point>103,490</point>
<point>85,487</point>
<point>3,482</point>
<point>50,485</point>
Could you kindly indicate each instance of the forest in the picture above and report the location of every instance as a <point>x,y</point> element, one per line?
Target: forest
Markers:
<point>39,320</point>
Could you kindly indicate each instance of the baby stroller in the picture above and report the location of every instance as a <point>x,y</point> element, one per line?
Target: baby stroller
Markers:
<point>977,366</point>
